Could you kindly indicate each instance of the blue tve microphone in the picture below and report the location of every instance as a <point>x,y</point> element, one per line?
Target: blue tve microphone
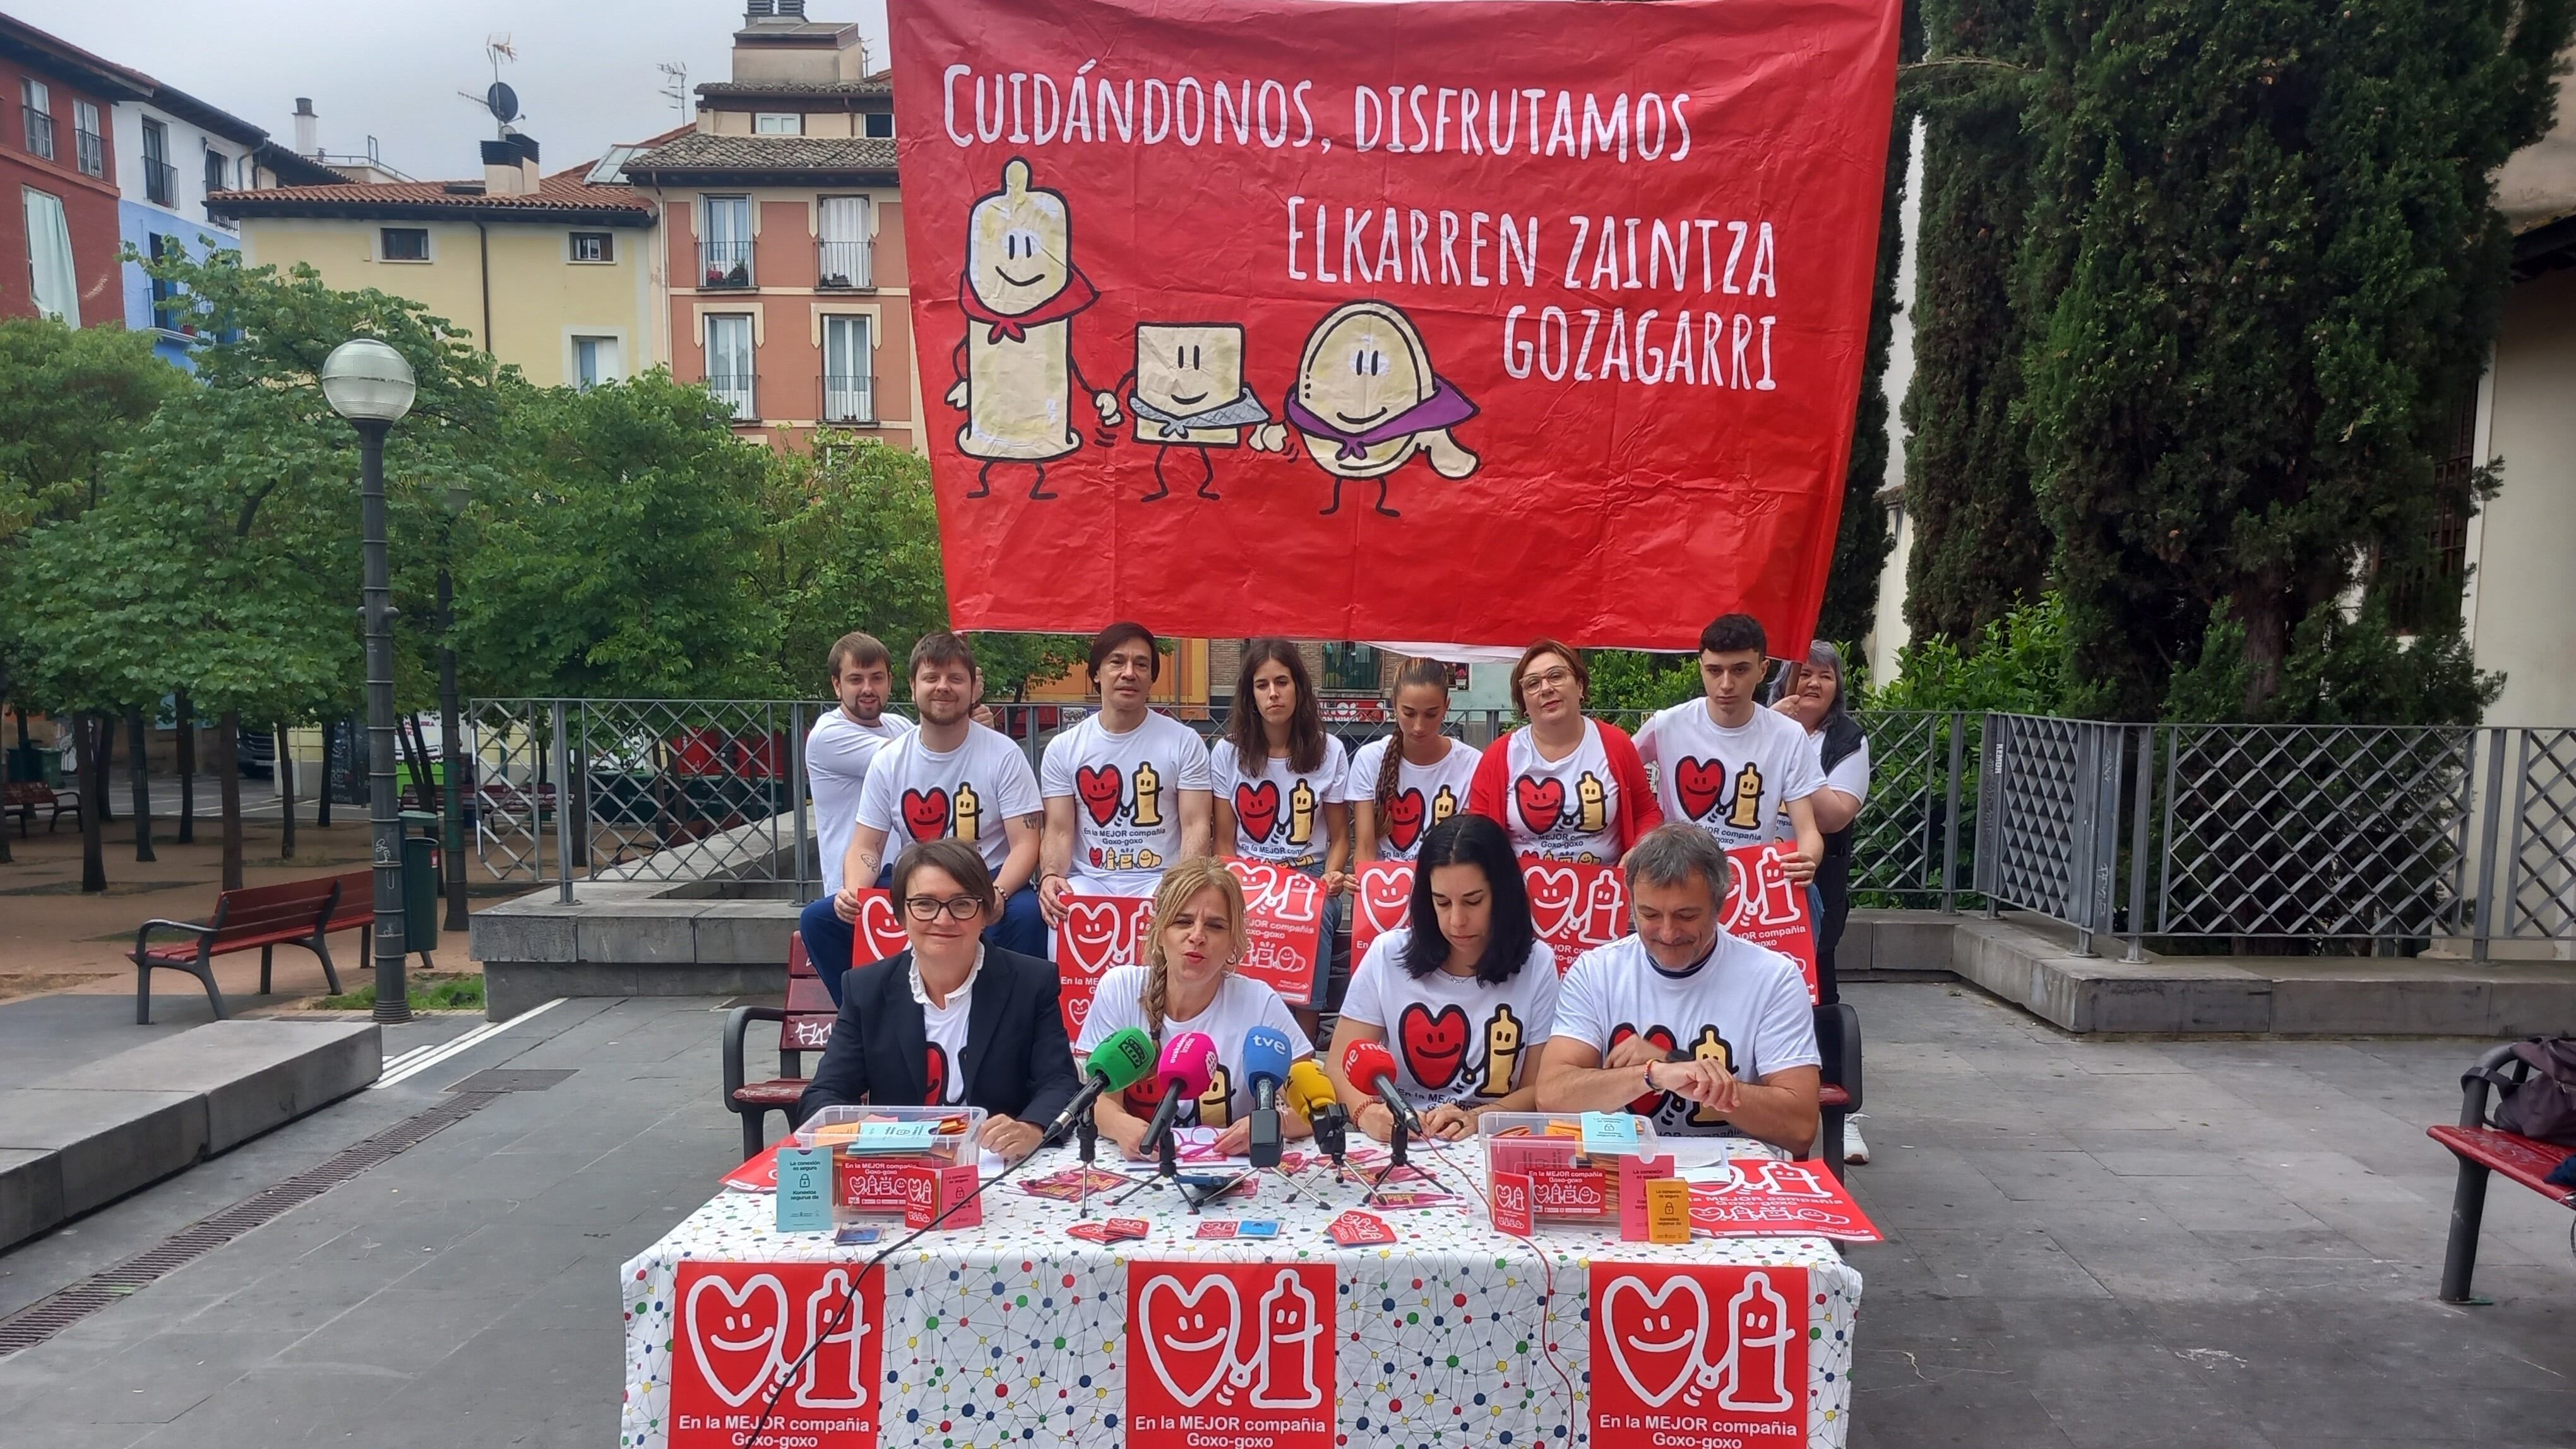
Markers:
<point>1266,1052</point>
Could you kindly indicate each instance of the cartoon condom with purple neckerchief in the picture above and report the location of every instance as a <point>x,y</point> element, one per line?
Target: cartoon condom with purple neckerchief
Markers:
<point>1367,400</point>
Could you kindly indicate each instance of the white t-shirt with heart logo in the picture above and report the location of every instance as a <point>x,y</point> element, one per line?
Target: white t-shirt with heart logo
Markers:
<point>1241,1004</point>
<point>1564,809</point>
<point>1425,795</point>
<point>1126,800</point>
<point>1746,1005</point>
<point>917,793</point>
<point>1279,811</point>
<point>1455,1039</point>
<point>1733,783</point>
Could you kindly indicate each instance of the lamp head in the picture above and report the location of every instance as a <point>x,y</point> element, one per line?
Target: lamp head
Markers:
<point>367,381</point>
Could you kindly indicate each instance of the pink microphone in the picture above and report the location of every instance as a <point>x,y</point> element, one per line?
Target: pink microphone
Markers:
<point>1187,1066</point>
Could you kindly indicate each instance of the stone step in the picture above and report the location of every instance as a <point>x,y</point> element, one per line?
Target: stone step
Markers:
<point>98,1131</point>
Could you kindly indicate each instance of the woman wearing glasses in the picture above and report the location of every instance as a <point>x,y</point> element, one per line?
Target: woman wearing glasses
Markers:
<point>952,1021</point>
<point>1563,786</point>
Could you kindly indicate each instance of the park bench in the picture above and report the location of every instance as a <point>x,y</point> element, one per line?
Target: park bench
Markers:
<point>2485,1149</point>
<point>302,913</point>
<point>23,798</point>
<point>804,1025</point>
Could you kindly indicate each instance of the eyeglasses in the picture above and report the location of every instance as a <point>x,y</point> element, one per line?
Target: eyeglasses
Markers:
<point>1549,680</point>
<point>959,908</point>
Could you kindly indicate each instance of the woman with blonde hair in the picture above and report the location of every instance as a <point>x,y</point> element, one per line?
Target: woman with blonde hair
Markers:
<point>1186,983</point>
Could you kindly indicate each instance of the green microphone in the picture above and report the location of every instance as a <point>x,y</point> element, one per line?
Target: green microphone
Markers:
<point>1123,1058</point>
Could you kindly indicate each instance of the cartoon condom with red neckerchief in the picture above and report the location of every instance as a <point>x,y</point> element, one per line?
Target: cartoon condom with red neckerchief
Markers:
<point>1016,374</point>
<point>1367,400</point>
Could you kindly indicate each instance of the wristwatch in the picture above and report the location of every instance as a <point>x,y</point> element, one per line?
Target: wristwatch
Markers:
<point>1651,1088</point>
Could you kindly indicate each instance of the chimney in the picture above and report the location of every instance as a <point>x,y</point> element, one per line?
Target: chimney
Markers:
<point>510,166</point>
<point>308,140</point>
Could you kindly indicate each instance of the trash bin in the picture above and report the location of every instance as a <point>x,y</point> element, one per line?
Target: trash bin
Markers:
<point>420,880</point>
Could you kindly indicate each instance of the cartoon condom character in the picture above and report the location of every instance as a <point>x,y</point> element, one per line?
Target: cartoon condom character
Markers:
<point>1367,400</point>
<point>1188,395</point>
<point>1016,374</point>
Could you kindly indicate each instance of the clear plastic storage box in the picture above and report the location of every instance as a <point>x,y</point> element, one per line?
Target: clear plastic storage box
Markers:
<point>871,1146</point>
<point>1567,1181</point>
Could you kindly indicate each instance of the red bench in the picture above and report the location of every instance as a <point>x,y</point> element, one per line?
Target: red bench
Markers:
<point>2484,1149</point>
<point>804,1025</point>
<point>23,798</point>
<point>298,913</point>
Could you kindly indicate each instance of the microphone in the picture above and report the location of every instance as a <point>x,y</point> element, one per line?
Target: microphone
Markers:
<point>1371,1068</point>
<point>1120,1061</point>
<point>1265,1065</point>
<point>1311,1092</point>
<point>1188,1064</point>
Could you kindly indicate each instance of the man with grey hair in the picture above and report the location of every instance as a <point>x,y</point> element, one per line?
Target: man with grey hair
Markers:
<point>1705,1034</point>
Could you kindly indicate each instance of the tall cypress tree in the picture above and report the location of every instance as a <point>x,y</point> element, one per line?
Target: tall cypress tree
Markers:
<point>2263,267</point>
<point>1862,541</point>
<point>1979,545</point>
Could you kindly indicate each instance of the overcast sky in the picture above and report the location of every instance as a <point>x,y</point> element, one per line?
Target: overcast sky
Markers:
<point>585,72</point>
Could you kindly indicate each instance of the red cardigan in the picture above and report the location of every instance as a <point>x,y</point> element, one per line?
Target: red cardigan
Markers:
<point>1491,791</point>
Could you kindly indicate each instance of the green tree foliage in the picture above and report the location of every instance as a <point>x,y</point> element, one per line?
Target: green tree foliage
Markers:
<point>620,556</point>
<point>853,543</point>
<point>1862,541</point>
<point>1979,547</point>
<point>2016,664</point>
<point>2264,267</point>
<point>1625,679</point>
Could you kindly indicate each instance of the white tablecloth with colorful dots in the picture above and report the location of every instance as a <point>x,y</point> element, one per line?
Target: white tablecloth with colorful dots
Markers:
<point>1014,1333</point>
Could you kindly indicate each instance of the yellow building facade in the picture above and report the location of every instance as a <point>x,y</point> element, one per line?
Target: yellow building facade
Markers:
<point>559,276</point>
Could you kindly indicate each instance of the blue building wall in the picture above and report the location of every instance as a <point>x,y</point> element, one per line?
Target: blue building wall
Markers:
<point>137,223</point>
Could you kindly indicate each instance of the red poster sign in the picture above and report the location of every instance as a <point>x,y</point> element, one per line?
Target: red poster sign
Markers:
<point>878,933</point>
<point>1385,299</point>
<point>739,1330</point>
<point>1698,1355</point>
<point>1763,1198</point>
<point>1768,909</point>
<point>1575,905</point>
<point>1382,901</point>
<point>1097,932</point>
<point>1284,928</point>
<point>1230,1354</point>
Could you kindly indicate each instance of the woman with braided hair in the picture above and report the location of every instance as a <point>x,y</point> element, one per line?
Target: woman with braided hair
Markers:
<point>1187,983</point>
<point>1414,778</point>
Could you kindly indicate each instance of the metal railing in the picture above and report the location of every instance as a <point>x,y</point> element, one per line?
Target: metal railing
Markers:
<point>724,264</point>
<point>90,148</point>
<point>734,391</point>
<point>851,399</point>
<point>160,182</point>
<point>40,132</point>
<point>2378,837</point>
<point>840,265</point>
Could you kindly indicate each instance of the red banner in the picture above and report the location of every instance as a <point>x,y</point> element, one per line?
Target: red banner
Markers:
<point>1230,1354</point>
<point>1097,932</point>
<point>1283,928</point>
<point>1764,1198</point>
<point>1383,300</point>
<point>1773,910</point>
<point>1576,905</point>
<point>1698,1355</point>
<point>1382,901</point>
<point>741,1327</point>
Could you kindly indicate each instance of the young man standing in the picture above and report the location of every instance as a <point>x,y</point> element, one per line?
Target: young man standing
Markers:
<point>952,779</point>
<point>1127,790</point>
<point>1723,763</point>
<point>837,753</point>
<point>1682,1023</point>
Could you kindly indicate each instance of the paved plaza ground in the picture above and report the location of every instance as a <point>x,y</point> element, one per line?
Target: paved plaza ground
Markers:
<point>2207,1243</point>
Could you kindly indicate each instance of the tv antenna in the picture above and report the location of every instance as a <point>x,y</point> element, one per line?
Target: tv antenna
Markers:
<point>499,99</point>
<point>676,87</point>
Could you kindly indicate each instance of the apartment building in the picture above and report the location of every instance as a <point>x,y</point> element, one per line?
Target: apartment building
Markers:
<point>783,237</point>
<point>58,177</point>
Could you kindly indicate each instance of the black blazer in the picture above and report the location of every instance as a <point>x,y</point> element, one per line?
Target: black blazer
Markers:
<point>1017,1062</point>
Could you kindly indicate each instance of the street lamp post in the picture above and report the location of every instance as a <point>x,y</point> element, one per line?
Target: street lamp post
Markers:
<point>451,731</point>
<point>369,384</point>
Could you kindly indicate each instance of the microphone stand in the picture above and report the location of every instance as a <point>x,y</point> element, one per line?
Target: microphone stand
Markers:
<point>1396,1163</point>
<point>1086,1141</point>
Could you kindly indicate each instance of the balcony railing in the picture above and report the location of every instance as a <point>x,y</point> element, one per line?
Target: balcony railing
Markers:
<point>160,182</point>
<point>844,264</point>
<point>92,150</point>
<point>734,390</point>
<point>724,264</point>
<point>849,399</point>
<point>40,132</point>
